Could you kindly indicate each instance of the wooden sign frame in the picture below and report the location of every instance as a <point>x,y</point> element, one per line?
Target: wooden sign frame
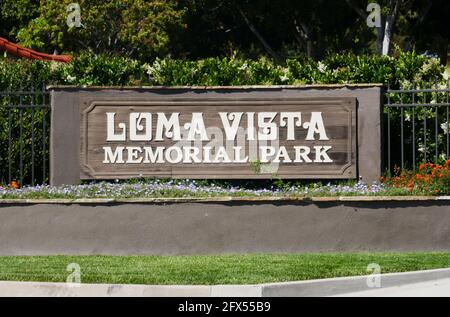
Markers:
<point>339,117</point>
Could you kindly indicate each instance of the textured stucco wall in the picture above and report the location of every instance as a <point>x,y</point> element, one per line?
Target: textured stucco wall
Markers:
<point>217,228</point>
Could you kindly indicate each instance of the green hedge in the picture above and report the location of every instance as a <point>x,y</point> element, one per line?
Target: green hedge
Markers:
<point>87,69</point>
<point>346,68</point>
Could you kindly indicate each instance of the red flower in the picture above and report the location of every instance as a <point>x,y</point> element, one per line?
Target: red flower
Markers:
<point>14,185</point>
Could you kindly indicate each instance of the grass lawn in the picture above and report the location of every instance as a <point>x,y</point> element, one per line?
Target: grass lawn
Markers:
<point>228,269</point>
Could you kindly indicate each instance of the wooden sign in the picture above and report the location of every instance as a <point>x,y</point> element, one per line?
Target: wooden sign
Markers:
<point>219,138</point>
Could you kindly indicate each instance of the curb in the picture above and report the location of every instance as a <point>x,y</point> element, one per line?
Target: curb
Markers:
<point>223,199</point>
<point>343,285</point>
<point>312,288</point>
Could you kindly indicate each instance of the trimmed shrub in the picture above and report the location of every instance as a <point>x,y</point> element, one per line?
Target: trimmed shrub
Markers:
<point>96,70</point>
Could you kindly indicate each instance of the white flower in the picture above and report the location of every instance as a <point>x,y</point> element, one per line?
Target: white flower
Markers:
<point>149,70</point>
<point>445,126</point>
<point>405,84</point>
<point>284,78</point>
<point>446,74</point>
<point>156,67</point>
<point>243,67</point>
<point>70,79</point>
<point>322,67</point>
<point>407,117</point>
<point>53,65</point>
<point>418,78</point>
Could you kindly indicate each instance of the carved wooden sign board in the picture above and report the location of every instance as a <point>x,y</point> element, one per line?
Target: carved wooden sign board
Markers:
<point>219,137</point>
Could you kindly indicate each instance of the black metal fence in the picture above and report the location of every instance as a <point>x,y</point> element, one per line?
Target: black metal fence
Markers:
<point>24,136</point>
<point>417,125</point>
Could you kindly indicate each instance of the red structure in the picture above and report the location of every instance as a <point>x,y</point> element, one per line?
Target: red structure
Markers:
<point>20,51</point>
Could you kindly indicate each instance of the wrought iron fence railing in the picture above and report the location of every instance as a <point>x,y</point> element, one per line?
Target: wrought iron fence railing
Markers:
<point>417,125</point>
<point>24,136</point>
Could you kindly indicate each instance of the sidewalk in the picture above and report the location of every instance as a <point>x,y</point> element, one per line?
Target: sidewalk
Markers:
<point>435,288</point>
<point>419,283</point>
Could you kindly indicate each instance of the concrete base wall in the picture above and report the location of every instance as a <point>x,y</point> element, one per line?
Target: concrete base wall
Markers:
<point>216,228</point>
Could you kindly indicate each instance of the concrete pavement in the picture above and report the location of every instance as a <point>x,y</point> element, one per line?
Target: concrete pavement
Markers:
<point>435,288</point>
<point>419,283</point>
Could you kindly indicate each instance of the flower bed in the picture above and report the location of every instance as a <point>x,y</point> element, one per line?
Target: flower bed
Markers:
<point>430,179</point>
<point>193,188</point>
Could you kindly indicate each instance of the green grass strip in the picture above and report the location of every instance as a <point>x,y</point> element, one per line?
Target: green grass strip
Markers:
<point>223,269</point>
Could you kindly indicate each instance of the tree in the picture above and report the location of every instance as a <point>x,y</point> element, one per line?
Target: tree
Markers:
<point>388,20</point>
<point>274,28</point>
<point>389,24</point>
<point>203,28</point>
<point>430,31</point>
<point>15,14</point>
<point>135,28</point>
<point>424,20</point>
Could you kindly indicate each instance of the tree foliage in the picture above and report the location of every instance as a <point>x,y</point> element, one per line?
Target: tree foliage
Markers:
<point>135,28</point>
<point>15,14</point>
<point>312,27</point>
<point>205,28</point>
